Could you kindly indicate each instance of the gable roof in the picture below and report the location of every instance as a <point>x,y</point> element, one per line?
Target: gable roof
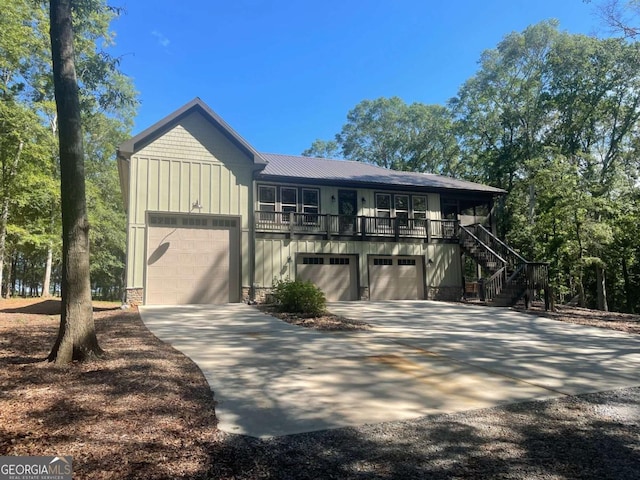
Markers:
<point>293,168</point>
<point>345,172</point>
<point>134,144</point>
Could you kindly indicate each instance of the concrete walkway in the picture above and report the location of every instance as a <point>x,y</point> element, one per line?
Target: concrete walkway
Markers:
<point>421,358</point>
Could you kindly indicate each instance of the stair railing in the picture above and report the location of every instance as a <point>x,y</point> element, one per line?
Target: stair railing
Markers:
<point>465,233</point>
<point>494,285</point>
<point>512,257</point>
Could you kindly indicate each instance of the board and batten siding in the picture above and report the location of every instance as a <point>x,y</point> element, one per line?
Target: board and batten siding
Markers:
<point>193,161</point>
<point>275,258</point>
<point>445,268</point>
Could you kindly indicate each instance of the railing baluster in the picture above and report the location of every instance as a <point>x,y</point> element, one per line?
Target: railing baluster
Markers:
<point>363,227</point>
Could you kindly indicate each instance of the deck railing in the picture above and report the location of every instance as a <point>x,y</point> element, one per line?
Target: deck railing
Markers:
<point>355,226</point>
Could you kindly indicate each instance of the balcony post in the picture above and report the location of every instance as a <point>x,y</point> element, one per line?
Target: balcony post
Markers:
<point>428,226</point>
<point>292,219</point>
<point>396,228</point>
<point>482,292</point>
<point>363,227</point>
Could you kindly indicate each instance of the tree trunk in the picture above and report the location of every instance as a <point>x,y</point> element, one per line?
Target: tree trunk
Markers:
<point>627,286</point>
<point>582,301</point>
<point>601,289</point>
<point>9,280</point>
<point>3,239</point>
<point>4,215</point>
<point>46,284</point>
<point>76,337</point>
<point>23,283</point>
<point>532,203</point>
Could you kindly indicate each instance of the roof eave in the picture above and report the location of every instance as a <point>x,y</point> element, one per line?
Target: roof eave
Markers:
<point>382,185</point>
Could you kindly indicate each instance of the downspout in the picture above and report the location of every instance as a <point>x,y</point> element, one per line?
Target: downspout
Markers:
<point>252,241</point>
<point>252,234</point>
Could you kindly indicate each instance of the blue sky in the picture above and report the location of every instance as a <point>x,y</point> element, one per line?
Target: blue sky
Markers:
<point>285,72</point>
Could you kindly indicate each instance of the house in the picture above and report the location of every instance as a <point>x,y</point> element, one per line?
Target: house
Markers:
<point>212,220</point>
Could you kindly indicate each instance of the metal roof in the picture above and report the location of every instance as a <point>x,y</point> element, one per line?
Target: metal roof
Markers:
<point>276,167</point>
<point>307,169</point>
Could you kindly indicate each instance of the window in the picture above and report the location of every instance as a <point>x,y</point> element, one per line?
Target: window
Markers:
<point>153,220</point>
<point>406,261</point>
<point>383,209</point>
<point>192,221</point>
<point>419,210</point>
<point>289,202</point>
<point>338,261</point>
<point>382,261</point>
<point>401,206</point>
<point>223,223</point>
<point>310,205</point>
<point>312,261</point>
<point>267,203</point>
<point>401,203</point>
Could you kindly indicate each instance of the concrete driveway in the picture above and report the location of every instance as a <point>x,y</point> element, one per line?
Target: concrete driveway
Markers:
<point>420,358</point>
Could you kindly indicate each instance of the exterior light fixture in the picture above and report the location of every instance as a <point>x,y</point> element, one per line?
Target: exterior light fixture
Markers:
<point>197,205</point>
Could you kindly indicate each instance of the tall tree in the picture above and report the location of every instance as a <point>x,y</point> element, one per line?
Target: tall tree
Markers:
<point>389,133</point>
<point>323,149</point>
<point>19,124</point>
<point>76,336</point>
<point>548,110</point>
<point>620,16</point>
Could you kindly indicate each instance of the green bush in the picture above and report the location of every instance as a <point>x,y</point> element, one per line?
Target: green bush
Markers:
<point>299,297</point>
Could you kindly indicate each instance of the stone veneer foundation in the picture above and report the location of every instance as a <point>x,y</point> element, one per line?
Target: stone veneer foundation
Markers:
<point>134,296</point>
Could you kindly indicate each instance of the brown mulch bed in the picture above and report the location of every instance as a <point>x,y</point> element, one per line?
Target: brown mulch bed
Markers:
<point>145,411</point>
<point>326,322</point>
<point>623,322</point>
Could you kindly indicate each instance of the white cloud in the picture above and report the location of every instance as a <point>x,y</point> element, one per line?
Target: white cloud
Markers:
<point>162,40</point>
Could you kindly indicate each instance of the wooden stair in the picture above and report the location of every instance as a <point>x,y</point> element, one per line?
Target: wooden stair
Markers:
<point>508,275</point>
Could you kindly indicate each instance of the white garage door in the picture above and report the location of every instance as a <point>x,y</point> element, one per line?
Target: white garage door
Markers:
<point>335,275</point>
<point>395,278</point>
<point>191,259</point>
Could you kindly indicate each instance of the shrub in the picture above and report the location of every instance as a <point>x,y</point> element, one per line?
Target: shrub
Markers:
<point>299,297</point>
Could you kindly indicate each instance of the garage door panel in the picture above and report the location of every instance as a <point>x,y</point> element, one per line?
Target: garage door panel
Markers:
<point>338,281</point>
<point>191,265</point>
<point>396,278</point>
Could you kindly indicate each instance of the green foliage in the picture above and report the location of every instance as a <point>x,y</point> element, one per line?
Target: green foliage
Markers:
<point>29,164</point>
<point>389,133</point>
<point>299,297</point>
<point>323,149</point>
<point>554,119</point>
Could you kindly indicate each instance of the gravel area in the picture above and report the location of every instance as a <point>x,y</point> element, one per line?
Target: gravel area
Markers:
<point>595,436</point>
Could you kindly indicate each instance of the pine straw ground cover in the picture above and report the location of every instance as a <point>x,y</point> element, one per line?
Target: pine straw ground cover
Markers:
<point>622,322</point>
<point>146,412</point>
